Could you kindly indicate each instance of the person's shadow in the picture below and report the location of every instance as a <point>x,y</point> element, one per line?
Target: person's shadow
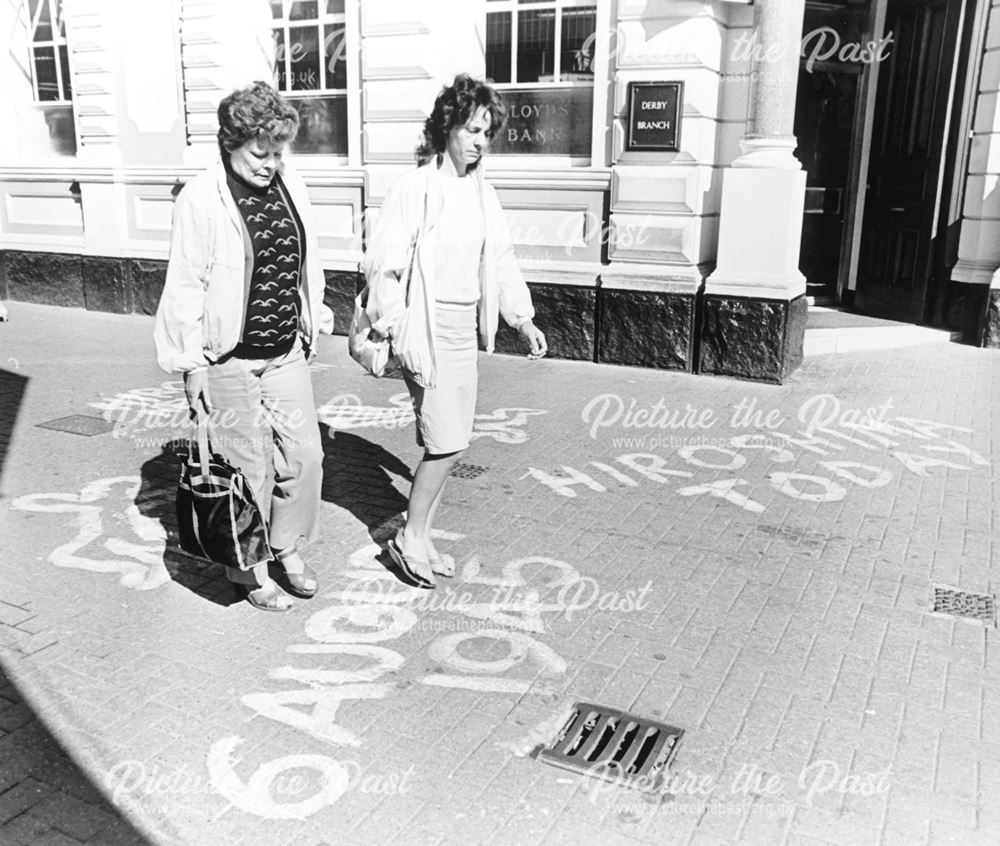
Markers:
<point>156,500</point>
<point>356,477</point>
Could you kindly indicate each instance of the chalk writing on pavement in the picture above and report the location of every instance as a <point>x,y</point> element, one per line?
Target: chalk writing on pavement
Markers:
<point>737,468</point>
<point>109,520</point>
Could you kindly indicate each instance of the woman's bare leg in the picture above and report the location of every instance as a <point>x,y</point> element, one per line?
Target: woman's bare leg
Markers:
<point>425,496</point>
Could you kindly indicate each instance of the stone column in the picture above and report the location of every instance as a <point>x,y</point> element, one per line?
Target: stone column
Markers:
<point>774,51</point>
<point>974,292</point>
<point>755,309</point>
<point>989,332</point>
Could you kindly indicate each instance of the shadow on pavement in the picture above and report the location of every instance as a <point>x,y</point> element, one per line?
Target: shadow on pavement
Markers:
<point>44,796</point>
<point>12,388</point>
<point>356,477</point>
<point>155,500</point>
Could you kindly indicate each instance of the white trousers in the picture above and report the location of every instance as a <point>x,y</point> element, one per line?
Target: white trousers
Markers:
<point>265,423</point>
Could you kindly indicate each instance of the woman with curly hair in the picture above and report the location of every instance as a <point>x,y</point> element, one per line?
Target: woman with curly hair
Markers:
<point>443,223</point>
<point>239,317</point>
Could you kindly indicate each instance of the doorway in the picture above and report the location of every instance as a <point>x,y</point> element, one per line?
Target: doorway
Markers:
<point>829,121</point>
<point>904,180</point>
<point>873,149</point>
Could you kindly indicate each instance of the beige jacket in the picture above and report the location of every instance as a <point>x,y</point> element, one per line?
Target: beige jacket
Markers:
<point>417,199</point>
<point>203,304</point>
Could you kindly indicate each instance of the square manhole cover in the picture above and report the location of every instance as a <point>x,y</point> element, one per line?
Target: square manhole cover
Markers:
<point>613,745</point>
<point>78,424</point>
<point>961,603</point>
<point>467,471</point>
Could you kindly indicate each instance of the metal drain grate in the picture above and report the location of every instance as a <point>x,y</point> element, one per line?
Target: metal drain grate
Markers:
<point>613,745</point>
<point>467,471</point>
<point>78,424</point>
<point>960,603</point>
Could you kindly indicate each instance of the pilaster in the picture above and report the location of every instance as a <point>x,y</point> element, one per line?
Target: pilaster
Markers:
<point>753,321</point>
<point>975,290</point>
<point>663,205</point>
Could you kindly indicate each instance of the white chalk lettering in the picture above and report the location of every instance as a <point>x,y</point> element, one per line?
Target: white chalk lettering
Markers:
<point>919,464</point>
<point>255,795</point>
<point>564,486</point>
<point>790,484</point>
<point>877,477</point>
<point>725,489</point>
<point>651,466</point>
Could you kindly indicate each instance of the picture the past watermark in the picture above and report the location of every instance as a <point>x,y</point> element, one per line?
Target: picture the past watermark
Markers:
<point>681,791</point>
<point>492,605</point>
<point>134,778</point>
<point>613,412</point>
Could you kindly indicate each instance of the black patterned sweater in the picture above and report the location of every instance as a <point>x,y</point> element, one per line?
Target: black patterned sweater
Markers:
<point>275,231</point>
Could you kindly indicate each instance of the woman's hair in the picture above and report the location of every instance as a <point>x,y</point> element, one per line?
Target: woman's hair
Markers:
<point>453,107</point>
<point>257,111</point>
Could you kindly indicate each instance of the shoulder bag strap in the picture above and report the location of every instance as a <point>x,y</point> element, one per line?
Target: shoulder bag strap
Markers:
<point>204,450</point>
<point>413,252</point>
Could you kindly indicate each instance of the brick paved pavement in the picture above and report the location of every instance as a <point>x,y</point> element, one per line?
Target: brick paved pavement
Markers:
<point>770,595</point>
<point>45,798</point>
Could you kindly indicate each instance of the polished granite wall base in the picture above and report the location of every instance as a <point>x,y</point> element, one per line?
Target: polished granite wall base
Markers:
<point>47,278</point>
<point>342,286</point>
<point>751,338</point>
<point>567,314</point>
<point>121,285</point>
<point>742,337</point>
<point>98,283</point>
<point>647,329</point>
<point>991,329</point>
<point>965,310</point>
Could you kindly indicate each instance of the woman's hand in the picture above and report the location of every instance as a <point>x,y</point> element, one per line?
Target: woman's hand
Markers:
<point>196,390</point>
<point>535,338</point>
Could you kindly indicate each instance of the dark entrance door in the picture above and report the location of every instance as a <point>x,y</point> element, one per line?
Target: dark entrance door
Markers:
<point>907,144</point>
<point>827,117</point>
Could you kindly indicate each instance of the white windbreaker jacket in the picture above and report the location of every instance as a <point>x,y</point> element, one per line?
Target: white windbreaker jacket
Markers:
<point>385,264</point>
<point>203,305</point>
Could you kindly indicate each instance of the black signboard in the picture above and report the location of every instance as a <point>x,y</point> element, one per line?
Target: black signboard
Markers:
<point>546,121</point>
<point>654,116</point>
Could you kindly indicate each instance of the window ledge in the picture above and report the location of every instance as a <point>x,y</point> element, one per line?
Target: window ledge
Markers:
<point>328,172</point>
<point>561,177</point>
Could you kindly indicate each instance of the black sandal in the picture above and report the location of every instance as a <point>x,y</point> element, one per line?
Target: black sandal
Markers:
<point>396,554</point>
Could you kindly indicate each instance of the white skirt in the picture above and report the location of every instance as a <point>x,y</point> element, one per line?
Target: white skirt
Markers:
<point>445,412</point>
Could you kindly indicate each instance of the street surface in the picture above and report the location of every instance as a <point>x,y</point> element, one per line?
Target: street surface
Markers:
<point>752,564</point>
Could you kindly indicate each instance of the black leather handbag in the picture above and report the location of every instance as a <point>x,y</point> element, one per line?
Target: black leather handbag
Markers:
<point>217,515</point>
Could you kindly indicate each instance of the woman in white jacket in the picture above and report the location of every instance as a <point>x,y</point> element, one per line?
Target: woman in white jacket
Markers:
<point>442,232</point>
<point>239,317</point>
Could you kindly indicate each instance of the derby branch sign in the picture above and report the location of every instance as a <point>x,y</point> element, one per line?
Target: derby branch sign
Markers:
<point>654,115</point>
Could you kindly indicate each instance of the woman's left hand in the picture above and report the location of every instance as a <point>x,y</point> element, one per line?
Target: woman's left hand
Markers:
<point>535,339</point>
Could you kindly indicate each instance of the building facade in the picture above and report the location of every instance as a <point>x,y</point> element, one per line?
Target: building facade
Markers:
<point>681,175</point>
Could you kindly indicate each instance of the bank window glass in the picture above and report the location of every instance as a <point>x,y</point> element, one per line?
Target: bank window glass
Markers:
<point>311,71</point>
<point>540,54</point>
<point>48,62</point>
